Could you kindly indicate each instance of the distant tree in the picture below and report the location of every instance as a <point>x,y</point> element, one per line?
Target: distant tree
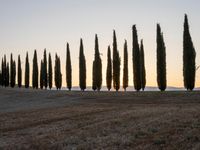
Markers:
<point>4,71</point>
<point>97,67</point>
<point>189,56</point>
<point>136,60</point>
<point>82,67</point>
<point>0,77</point>
<point>7,75</point>
<point>116,64</point>
<point>19,76</point>
<point>161,60</point>
<point>35,71</point>
<point>45,70</point>
<point>58,75</point>
<point>12,71</point>
<point>125,69</point>
<point>142,66</point>
<point>109,70</point>
<point>50,72</point>
<point>27,71</point>
<point>68,69</point>
<point>41,74</point>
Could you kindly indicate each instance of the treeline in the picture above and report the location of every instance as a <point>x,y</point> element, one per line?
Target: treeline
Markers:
<point>43,78</point>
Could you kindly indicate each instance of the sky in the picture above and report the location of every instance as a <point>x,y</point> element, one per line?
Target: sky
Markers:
<point>26,25</point>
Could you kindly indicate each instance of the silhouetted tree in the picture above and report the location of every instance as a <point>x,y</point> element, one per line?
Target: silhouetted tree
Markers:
<point>50,72</point>
<point>109,70</point>
<point>82,67</point>
<point>42,74</point>
<point>35,71</point>
<point>161,60</point>
<point>19,76</point>
<point>2,72</point>
<point>94,85</point>
<point>189,56</point>
<point>0,77</point>
<point>68,69</point>
<point>136,60</point>
<point>45,70</point>
<point>58,75</point>
<point>7,75</point>
<point>116,64</point>
<point>4,67</point>
<point>97,67</point>
<point>12,71</point>
<point>142,66</point>
<point>27,72</point>
<point>125,69</point>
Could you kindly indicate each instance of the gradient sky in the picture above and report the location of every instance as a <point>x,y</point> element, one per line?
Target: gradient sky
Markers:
<point>26,25</point>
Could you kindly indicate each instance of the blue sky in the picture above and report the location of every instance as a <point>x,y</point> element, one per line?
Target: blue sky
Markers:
<point>26,25</point>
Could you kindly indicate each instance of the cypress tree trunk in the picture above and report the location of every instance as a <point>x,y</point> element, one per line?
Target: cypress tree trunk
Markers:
<point>82,68</point>
<point>189,56</point>
<point>19,76</point>
<point>27,70</point>
<point>50,72</point>
<point>109,70</point>
<point>41,74</point>
<point>116,64</point>
<point>125,70</point>
<point>97,67</point>
<point>161,60</point>
<point>136,61</point>
<point>35,71</point>
<point>45,70</point>
<point>68,69</point>
<point>142,66</point>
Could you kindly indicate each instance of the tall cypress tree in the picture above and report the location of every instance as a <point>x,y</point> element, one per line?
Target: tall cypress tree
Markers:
<point>12,72</point>
<point>27,72</point>
<point>94,84</point>
<point>136,60</point>
<point>58,75</point>
<point>19,76</point>
<point>68,69</point>
<point>7,75</point>
<point>97,67</point>
<point>41,74</point>
<point>189,56</point>
<point>4,67</point>
<point>161,60</point>
<point>50,72</point>
<point>45,69</point>
<point>125,69</point>
<point>35,71</point>
<point>1,77</point>
<point>2,72</point>
<point>142,66</point>
<point>116,64</point>
<point>109,70</point>
<point>82,67</point>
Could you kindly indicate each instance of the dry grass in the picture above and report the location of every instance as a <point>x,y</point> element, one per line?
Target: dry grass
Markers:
<point>101,120</point>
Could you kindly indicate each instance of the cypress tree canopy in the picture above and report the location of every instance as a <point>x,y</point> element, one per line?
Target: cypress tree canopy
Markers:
<point>142,66</point>
<point>45,69</point>
<point>136,60</point>
<point>82,67</point>
<point>35,71</point>
<point>50,72</point>
<point>125,69</point>
<point>161,60</point>
<point>68,69</point>
<point>109,70</point>
<point>189,56</point>
<point>27,71</point>
<point>19,76</point>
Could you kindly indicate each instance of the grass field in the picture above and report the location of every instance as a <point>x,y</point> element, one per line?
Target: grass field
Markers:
<point>35,119</point>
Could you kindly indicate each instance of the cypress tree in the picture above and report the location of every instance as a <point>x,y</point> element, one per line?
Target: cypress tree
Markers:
<point>161,60</point>
<point>19,76</point>
<point>136,60</point>
<point>68,69</point>
<point>97,67</point>
<point>0,77</point>
<point>109,70</point>
<point>94,84</point>
<point>12,71</point>
<point>189,56</point>
<point>2,72</point>
<point>35,71</point>
<point>82,67</point>
<point>58,75</point>
<point>142,66</point>
<point>4,67</point>
<point>41,74</point>
<point>116,64</point>
<point>45,69</point>
<point>27,71</point>
<point>7,75</point>
<point>125,70</point>
<point>50,72</point>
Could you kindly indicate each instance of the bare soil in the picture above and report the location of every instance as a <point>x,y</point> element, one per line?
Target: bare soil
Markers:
<point>36,119</point>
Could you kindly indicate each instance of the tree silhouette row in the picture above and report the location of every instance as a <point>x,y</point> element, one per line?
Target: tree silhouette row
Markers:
<point>43,78</point>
